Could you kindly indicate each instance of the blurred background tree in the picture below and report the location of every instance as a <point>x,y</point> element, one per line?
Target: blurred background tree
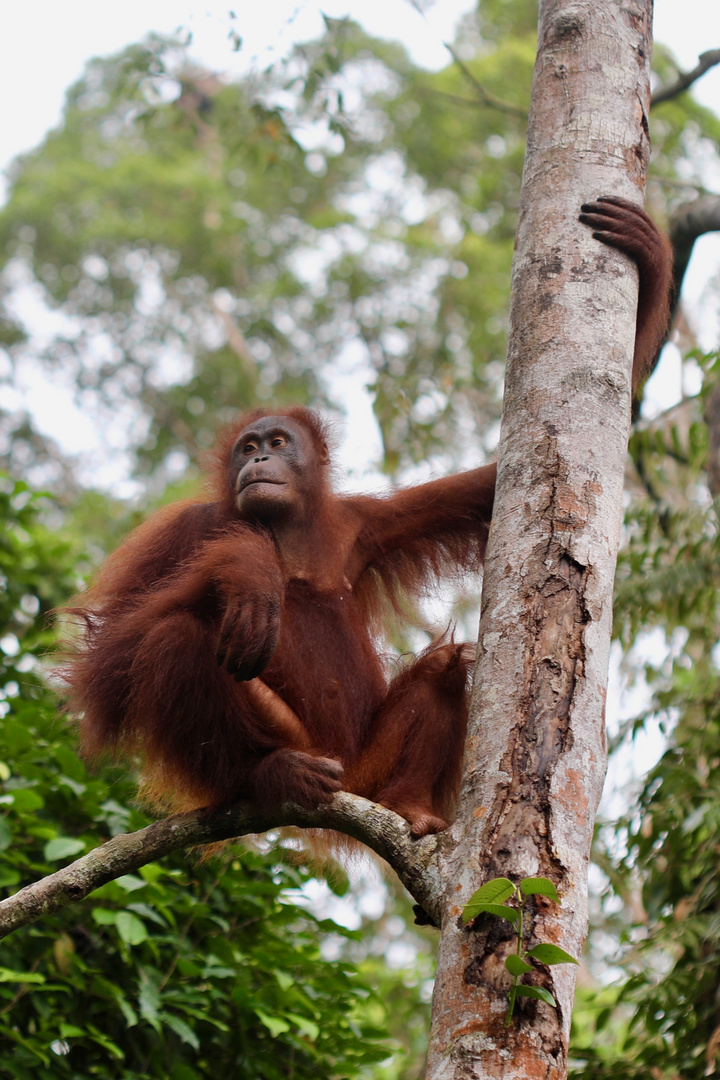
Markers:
<point>182,246</point>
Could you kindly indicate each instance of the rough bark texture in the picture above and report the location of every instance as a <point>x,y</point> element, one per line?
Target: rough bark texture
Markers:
<point>536,754</point>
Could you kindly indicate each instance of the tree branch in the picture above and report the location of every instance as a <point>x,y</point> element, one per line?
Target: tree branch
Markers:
<point>688,223</point>
<point>706,61</point>
<point>457,99</point>
<point>485,96</point>
<point>387,834</point>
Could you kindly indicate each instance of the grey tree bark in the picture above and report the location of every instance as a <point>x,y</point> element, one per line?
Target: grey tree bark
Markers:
<point>536,752</point>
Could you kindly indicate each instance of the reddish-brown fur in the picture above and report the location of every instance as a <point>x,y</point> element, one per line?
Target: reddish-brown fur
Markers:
<point>231,643</point>
<point>620,224</point>
<point>147,679</point>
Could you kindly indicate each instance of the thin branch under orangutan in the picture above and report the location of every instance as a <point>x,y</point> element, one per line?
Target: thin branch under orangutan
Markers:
<point>378,828</point>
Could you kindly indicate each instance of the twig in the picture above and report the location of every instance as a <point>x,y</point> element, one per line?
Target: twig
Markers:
<point>457,99</point>
<point>706,61</point>
<point>485,96</point>
<point>414,861</point>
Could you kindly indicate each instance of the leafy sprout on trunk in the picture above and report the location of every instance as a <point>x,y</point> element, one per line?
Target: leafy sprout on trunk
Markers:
<point>491,899</point>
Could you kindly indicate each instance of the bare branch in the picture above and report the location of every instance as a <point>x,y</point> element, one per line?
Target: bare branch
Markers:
<point>485,96</point>
<point>688,223</point>
<point>457,99</point>
<point>414,861</point>
<point>706,61</point>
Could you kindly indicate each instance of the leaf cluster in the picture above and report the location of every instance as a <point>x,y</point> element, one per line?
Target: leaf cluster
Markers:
<point>491,899</point>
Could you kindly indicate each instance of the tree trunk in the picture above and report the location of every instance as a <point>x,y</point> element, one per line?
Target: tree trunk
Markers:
<point>536,753</point>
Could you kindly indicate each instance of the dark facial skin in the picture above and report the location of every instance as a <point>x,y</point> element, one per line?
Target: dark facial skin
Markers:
<point>277,464</point>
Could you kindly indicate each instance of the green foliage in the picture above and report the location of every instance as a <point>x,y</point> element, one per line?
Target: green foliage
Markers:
<point>487,900</point>
<point>187,968</point>
<point>401,1000</point>
<point>678,129</point>
<point>661,1019</point>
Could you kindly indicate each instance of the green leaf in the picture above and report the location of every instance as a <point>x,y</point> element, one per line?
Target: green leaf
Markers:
<point>76,787</point>
<point>539,886</point>
<point>62,847</point>
<point>217,971</point>
<point>69,1031</point>
<point>692,821</point>
<point>502,911</point>
<point>602,1019</point>
<point>104,916</point>
<point>516,965</point>
<point>131,929</point>
<point>551,954</point>
<point>70,763</point>
<point>536,992</point>
<point>285,981</point>
<point>147,912</point>
<point>107,1044</point>
<point>27,799</point>
<point>493,892</point>
<point>131,1017</point>
<point>275,1024</point>
<point>6,975</point>
<point>129,882</point>
<point>149,1002</point>
<point>308,1027</point>
<point>9,877</point>
<point>182,1029</point>
<point>28,1045</point>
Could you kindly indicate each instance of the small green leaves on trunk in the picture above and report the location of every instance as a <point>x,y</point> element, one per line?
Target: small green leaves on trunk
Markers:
<point>539,886</point>
<point>536,992</point>
<point>490,900</point>
<point>551,954</point>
